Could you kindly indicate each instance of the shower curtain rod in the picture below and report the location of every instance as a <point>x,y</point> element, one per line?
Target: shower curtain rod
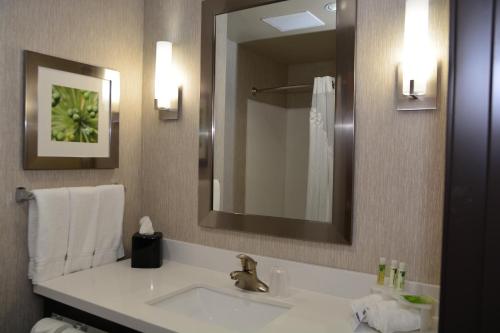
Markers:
<point>256,91</point>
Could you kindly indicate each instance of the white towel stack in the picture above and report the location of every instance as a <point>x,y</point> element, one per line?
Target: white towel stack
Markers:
<point>72,229</point>
<point>386,316</point>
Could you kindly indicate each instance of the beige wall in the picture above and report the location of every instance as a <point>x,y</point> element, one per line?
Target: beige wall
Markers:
<point>399,156</point>
<point>101,32</point>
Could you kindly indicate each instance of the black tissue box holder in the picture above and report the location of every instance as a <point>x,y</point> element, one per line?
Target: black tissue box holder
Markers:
<point>147,250</point>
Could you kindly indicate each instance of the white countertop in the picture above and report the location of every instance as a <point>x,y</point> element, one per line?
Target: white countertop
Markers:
<point>119,293</point>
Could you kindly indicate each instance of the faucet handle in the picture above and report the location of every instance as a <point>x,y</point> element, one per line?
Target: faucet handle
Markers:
<point>247,262</point>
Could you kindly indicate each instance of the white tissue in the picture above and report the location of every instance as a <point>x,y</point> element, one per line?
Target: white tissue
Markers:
<point>146,226</point>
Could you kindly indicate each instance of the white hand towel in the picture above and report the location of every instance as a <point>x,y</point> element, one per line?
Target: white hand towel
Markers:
<point>49,325</point>
<point>84,206</point>
<point>48,227</point>
<point>361,306</point>
<point>109,245</point>
<point>390,317</point>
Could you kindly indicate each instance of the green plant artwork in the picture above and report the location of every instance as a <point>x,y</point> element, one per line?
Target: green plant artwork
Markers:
<point>74,115</point>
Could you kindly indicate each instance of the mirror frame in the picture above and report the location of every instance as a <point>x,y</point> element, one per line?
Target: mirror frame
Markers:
<point>340,230</point>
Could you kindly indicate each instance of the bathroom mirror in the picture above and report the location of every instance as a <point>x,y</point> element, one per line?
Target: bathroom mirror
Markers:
<point>277,118</point>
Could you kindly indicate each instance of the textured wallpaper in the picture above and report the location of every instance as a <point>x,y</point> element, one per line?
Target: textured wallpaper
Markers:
<point>399,156</point>
<point>100,32</point>
<point>399,172</point>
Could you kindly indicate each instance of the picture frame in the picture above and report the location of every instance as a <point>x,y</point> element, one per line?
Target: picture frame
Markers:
<point>71,114</point>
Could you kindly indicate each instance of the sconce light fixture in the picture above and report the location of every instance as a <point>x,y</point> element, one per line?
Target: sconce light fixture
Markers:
<point>417,73</point>
<point>168,92</point>
<point>331,7</point>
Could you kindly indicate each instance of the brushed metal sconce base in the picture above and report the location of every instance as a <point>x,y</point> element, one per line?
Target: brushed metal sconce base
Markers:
<point>172,113</point>
<point>168,114</point>
<point>417,102</point>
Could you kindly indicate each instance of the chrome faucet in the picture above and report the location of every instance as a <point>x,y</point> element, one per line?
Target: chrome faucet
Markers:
<point>247,278</point>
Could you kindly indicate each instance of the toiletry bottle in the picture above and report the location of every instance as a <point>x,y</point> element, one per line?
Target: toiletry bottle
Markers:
<point>381,272</point>
<point>400,286</point>
<point>392,273</point>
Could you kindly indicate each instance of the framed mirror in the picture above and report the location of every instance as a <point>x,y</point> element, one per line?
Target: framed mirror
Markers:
<point>276,133</point>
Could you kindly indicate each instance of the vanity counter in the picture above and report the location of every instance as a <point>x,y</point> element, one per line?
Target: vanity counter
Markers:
<point>119,293</point>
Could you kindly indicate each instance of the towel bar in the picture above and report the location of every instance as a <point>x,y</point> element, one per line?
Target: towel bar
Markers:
<point>23,195</point>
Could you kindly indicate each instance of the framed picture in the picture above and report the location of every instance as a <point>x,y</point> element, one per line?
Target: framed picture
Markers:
<point>71,114</point>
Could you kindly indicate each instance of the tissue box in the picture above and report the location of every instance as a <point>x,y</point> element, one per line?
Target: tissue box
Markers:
<point>147,250</point>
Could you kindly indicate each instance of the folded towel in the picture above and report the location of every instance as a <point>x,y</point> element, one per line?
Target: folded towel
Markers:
<point>84,206</point>
<point>360,308</point>
<point>390,317</point>
<point>109,245</point>
<point>362,304</point>
<point>49,325</point>
<point>386,316</point>
<point>48,226</point>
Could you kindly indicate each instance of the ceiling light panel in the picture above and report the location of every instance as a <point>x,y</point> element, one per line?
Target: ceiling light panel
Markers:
<point>297,21</point>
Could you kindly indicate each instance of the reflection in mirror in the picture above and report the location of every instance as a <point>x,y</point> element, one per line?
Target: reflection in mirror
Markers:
<point>274,110</point>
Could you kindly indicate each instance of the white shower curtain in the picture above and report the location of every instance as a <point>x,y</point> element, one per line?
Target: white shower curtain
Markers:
<point>320,171</point>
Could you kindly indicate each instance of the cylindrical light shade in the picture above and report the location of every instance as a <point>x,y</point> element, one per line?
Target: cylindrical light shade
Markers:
<point>418,57</point>
<point>164,75</point>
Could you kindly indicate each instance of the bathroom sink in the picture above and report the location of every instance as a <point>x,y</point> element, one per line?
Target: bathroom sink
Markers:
<point>239,313</point>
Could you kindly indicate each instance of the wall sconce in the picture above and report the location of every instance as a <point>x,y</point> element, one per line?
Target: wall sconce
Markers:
<point>168,92</point>
<point>417,73</point>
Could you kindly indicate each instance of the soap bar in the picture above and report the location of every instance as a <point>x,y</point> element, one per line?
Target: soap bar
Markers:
<point>147,250</point>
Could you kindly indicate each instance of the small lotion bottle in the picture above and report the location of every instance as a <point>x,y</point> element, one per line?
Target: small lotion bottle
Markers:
<point>393,274</point>
<point>400,285</point>
<point>381,272</point>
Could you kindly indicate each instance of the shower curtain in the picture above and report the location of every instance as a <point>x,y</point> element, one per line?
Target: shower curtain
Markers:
<point>320,170</point>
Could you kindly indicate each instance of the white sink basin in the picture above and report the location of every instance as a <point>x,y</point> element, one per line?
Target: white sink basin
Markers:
<point>239,313</point>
